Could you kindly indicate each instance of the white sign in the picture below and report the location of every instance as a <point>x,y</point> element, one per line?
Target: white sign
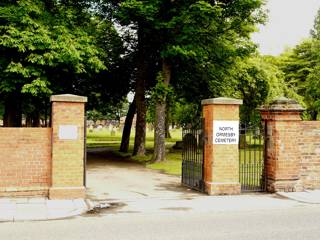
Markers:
<point>225,132</point>
<point>68,132</point>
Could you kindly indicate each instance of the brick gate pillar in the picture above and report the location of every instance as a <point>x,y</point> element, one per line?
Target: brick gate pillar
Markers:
<point>67,122</point>
<point>221,152</point>
<point>282,120</point>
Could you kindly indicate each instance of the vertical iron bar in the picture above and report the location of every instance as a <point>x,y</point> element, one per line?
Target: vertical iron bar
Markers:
<point>240,157</point>
<point>203,136</point>
<point>193,159</point>
<point>260,160</point>
<point>185,156</point>
<point>239,145</point>
<point>250,158</point>
<point>182,157</point>
<point>188,157</point>
<point>255,170</point>
<point>265,155</point>
<point>244,156</point>
<point>196,159</point>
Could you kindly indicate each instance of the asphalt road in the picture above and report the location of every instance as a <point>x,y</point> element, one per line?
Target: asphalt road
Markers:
<point>293,223</point>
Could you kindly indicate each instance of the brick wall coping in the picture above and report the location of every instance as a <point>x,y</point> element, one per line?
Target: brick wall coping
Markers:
<point>222,101</point>
<point>68,98</point>
<point>282,104</point>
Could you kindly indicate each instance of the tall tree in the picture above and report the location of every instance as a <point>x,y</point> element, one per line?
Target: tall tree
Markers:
<point>45,47</point>
<point>135,16</point>
<point>301,68</point>
<point>140,89</point>
<point>204,33</point>
<point>315,32</point>
<point>207,34</point>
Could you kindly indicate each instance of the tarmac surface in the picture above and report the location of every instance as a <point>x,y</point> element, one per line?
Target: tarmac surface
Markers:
<point>119,186</point>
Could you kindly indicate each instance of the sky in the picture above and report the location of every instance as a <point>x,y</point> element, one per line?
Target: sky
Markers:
<point>290,21</point>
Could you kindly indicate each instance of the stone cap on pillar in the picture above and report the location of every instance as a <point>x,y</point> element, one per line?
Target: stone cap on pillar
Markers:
<point>222,101</point>
<point>282,104</point>
<point>68,98</point>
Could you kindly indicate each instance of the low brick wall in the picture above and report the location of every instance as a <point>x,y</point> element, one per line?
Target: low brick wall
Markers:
<point>309,146</point>
<point>46,161</point>
<point>25,161</point>
<point>293,147</point>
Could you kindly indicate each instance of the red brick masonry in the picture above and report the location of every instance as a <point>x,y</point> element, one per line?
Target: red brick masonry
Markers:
<point>25,161</point>
<point>293,147</point>
<point>309,148</point>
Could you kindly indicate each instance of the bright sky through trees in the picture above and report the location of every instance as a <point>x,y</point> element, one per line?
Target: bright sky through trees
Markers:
<point>289,22</point>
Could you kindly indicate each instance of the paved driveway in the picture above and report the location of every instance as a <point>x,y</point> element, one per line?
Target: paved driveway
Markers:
<point>117,180</point>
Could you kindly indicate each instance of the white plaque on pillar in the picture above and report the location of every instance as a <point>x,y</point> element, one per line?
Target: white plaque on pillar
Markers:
<point>225,132</point>
<point>68,132</point>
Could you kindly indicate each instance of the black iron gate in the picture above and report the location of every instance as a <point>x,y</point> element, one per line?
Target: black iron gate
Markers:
<point>252,158</point>
<point>192,157</point>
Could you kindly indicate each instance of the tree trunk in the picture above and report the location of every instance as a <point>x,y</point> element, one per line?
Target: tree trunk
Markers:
<point>160,118</point>
<point>12,113</point>
<point>28,121</point>
<point>46,114</point>
<point>125,140</point>
<point>142,75</point>
<point>314,115</point>
<point>167,124</point>
<point>36,119</point>
<point>140,137</point>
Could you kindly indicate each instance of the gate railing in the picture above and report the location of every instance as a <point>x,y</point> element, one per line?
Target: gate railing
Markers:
<point>192,158</point>
<point>252,158</point>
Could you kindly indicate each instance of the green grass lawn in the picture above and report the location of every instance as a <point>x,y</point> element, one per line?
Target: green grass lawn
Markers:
<point>172,165</point>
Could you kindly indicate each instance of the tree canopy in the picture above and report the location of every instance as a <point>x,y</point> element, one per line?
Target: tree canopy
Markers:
<point>301,70</point>
<point>50,47</point>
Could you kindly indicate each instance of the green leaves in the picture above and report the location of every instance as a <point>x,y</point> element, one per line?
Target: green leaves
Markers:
<point>134,11</point>
<point>38,41</point>
<point>312,94</point>
<point>161,92</point>
<point>37,87</point>
<point>301,68</point>
<point>258,81</point>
